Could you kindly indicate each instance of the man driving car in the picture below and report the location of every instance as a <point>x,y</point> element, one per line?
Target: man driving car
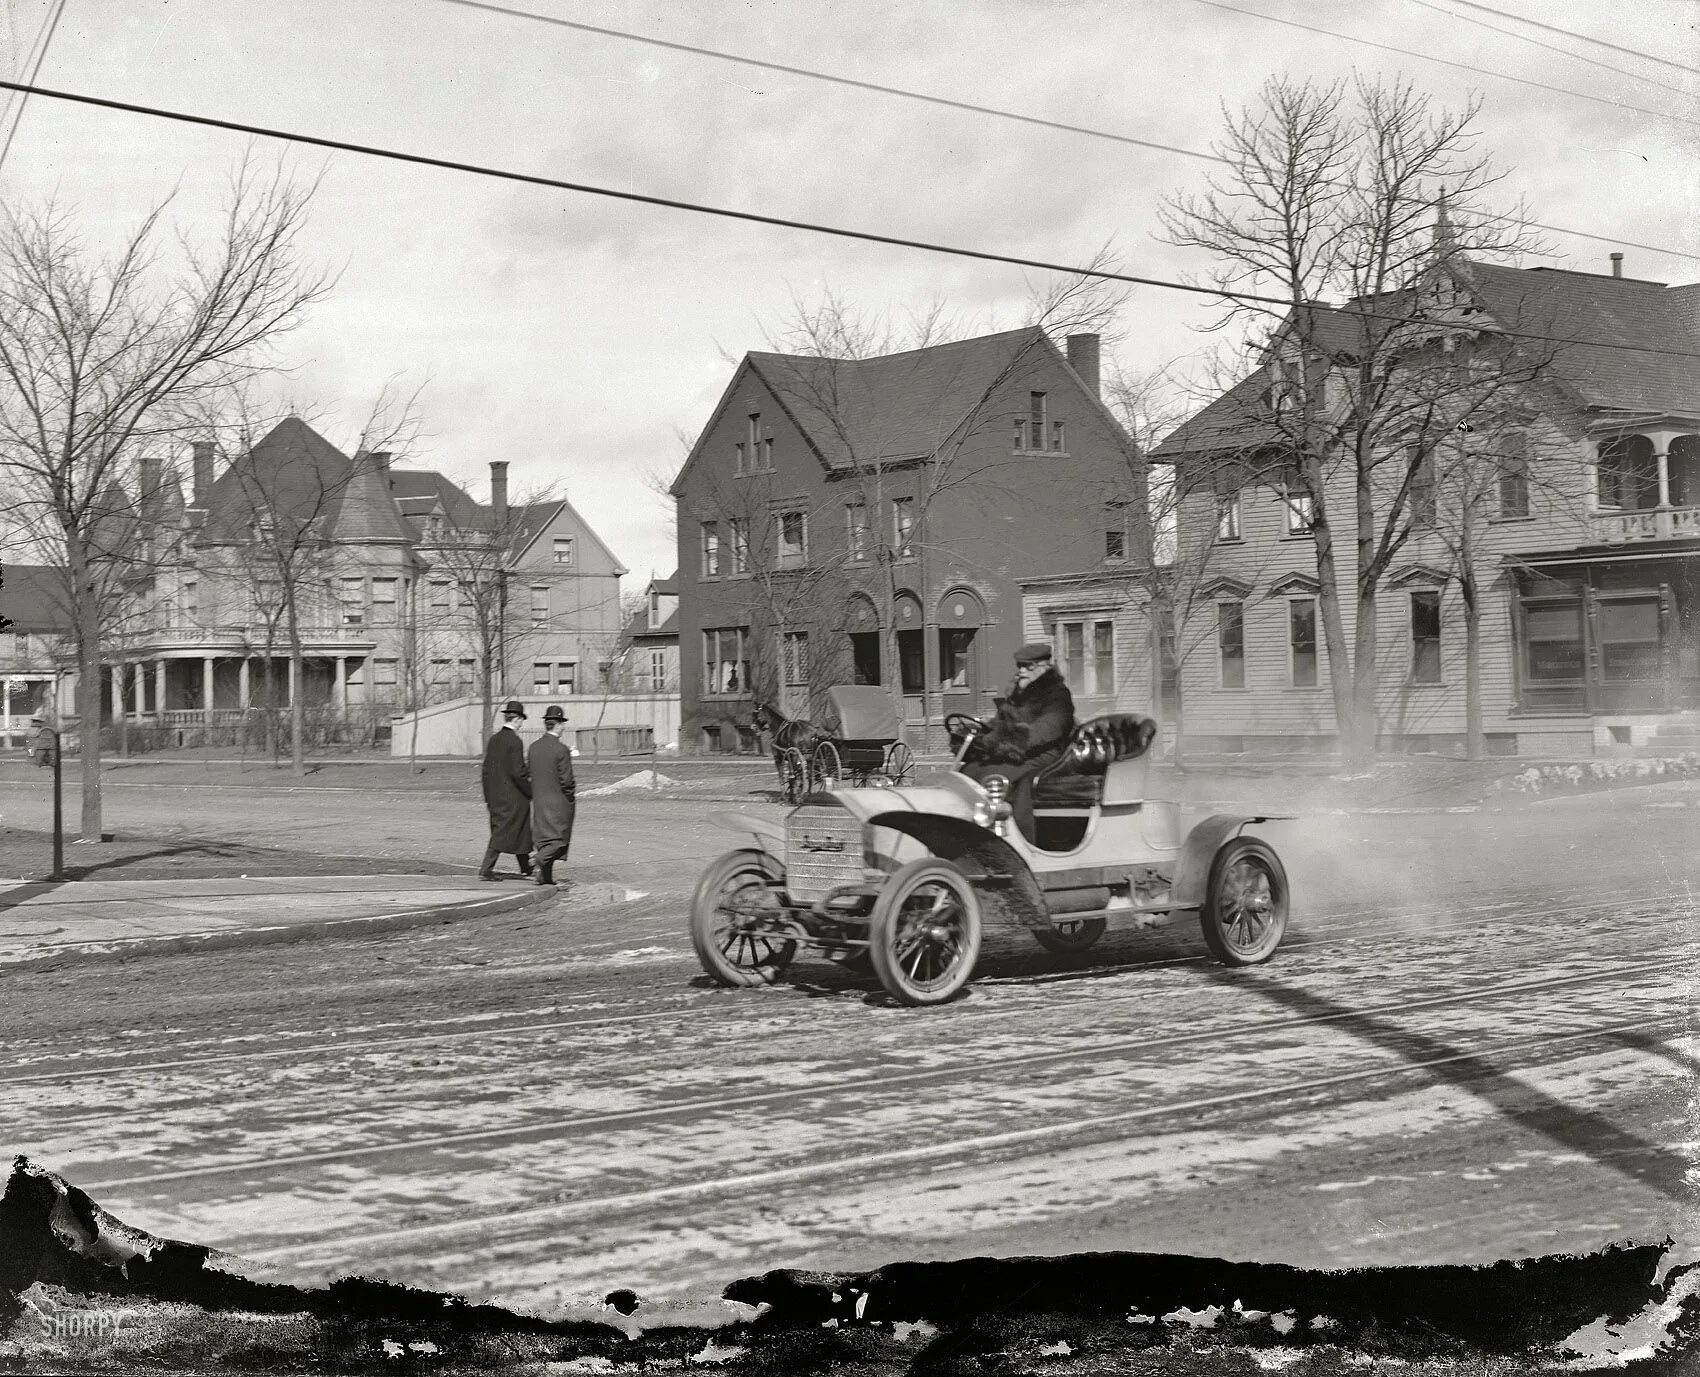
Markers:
<point>1031,731</point>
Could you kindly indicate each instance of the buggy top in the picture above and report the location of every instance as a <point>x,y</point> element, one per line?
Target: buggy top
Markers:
<point>865,714</point>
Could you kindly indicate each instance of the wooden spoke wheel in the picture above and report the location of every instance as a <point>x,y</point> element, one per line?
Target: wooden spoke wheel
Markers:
<point>1070,935</point>
<point>1245,904</point>
<point>829,766</point>
<point>732,916</point>
<point>898,762</point>
<point>924,936</point>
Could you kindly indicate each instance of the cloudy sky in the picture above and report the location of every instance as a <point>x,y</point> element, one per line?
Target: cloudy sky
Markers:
<point>578,337</point>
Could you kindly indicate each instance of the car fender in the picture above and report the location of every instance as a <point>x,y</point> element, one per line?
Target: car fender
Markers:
<point>769,836</point>
<point>1198,853</point>
<point>1016,901</point>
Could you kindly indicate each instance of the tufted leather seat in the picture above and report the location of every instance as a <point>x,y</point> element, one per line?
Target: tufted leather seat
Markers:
<point>1077,779</point>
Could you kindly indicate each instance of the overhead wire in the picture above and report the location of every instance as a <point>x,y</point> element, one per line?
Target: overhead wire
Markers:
<point>1552,47</point>
<point>833,78</point>
<point>37,56</point>
<point>1579,37</point>
<point>752,217</point>
<point>1446,62</point>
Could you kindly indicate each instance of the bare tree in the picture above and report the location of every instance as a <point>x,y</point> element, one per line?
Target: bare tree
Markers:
<point>1372,198</point>
<point>100,356</point>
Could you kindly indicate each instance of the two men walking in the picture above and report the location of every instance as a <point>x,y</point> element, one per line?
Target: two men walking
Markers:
<point>531,795</point>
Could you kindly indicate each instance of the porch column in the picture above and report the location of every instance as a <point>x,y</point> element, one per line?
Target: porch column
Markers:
<point>6,709</point>
<point>207,691</point>
<point>141,694</point>
<point>117,681</point>
<point>339,685</point>
<point>1661,457</point>
<point>159,690</point>
<point>242,685</point>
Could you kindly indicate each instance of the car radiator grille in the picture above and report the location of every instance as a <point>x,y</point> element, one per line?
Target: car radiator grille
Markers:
<point>823,850</point>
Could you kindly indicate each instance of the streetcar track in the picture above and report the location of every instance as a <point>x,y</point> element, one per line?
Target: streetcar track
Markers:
<point>840,1168</point>
<point>706,1002</point>
<point>1216,1034</point>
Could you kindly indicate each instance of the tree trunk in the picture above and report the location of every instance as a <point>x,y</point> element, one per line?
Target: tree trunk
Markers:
<point>1361,742</point>
<point>1334,639</point>
<point>88,696</point>
<point>297,704</point>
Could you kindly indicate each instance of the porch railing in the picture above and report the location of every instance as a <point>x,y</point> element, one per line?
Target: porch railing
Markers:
<point>1655,523</point>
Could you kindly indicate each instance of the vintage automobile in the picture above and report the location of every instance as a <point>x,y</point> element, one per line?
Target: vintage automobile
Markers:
<point>907,877</point>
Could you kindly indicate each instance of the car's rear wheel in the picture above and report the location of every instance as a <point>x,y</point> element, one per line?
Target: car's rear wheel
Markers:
<point>1245,903</point>
<point>734,902</point>
<point>1070,935</point>
<point>924,935</point>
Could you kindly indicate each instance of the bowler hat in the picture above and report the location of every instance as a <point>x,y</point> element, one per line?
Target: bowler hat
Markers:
<point>553,713</point>
<point>515,708</point>
<point>1033,652</point>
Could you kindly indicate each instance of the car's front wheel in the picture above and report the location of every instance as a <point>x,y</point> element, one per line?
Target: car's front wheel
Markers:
<point>1245,904</point>
<point>734,904</point>
<point>924,936</point>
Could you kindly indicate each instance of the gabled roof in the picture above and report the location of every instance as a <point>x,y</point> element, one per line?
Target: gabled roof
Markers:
<point>894,407</point>
<point>639,629</point>
<point>532,520</point>
<point>419,492</point>
<point>32,597</point>
<point>1604,311</point>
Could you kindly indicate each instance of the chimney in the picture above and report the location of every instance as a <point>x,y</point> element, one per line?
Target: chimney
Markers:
<point>1083,358</point>
<point>1617,265</point>
<point>499,492</point>
<point>203,472</point>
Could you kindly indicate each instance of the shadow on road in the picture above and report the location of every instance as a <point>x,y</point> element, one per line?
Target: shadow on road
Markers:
<point>1578,1130</point>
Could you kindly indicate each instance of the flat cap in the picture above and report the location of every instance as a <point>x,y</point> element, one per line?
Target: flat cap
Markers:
<point>1033,652</point>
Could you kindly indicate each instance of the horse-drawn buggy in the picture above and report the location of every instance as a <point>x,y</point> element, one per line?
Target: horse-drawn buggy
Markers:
<point>867,750</point>
<point>907,877</point>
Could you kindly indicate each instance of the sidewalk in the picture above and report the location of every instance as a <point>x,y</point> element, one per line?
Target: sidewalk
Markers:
<point>47,923</point>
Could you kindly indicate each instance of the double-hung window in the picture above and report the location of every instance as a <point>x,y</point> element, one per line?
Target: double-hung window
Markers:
<point>540,604</point>
<point>903,527</point>
<point>1115,531</point>
<point>439,597</point>
<point>1230,643</point>
<point>1087,650</point>
<point>738,532</point>
<point>1422,496</point>
<point>725,668</point>
<point>1425,636</point>
<point>1298,506</point>
<point>384,602</point>
<point>564,550</point>
<point>711,549</point>
<point>856,531</point>
<point>791,535</point>
<point>795,652</point>
<point>1514,479</point>
<point>1228,517</point>
<point>1301,638</point>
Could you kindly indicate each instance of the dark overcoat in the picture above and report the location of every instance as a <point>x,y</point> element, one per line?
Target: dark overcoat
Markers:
<point>553,794</point>
<point>507,793</point>
<point>1032,725</point>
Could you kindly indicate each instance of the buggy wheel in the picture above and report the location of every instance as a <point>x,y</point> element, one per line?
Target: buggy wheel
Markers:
<point>898,762</point>
<point>733,900</point>
<point>924,935</point>
<point>1070,935</point>
<point>829,768</point>
<point>1245,904</point>
<point>796,774</point>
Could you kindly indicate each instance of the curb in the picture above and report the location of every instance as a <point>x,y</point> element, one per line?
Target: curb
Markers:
<point>125,948</point>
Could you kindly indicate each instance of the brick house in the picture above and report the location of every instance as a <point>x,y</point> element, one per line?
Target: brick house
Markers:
<point>866,521</point>
<point>383,622</point>
<point>1585,536</point>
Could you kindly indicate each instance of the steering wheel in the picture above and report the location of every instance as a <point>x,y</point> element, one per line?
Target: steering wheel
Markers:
<point>961,724</point>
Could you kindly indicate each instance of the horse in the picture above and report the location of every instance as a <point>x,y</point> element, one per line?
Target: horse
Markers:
<point>789,733</point>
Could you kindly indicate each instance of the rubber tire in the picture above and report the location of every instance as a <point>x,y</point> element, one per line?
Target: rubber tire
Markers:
<point>704,903</point>
<point>1223,946</point>
<point>883,932</point>
<point>1087,932</point>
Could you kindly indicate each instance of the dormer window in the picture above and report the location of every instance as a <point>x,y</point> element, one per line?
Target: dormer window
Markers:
<point>654,609</point>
